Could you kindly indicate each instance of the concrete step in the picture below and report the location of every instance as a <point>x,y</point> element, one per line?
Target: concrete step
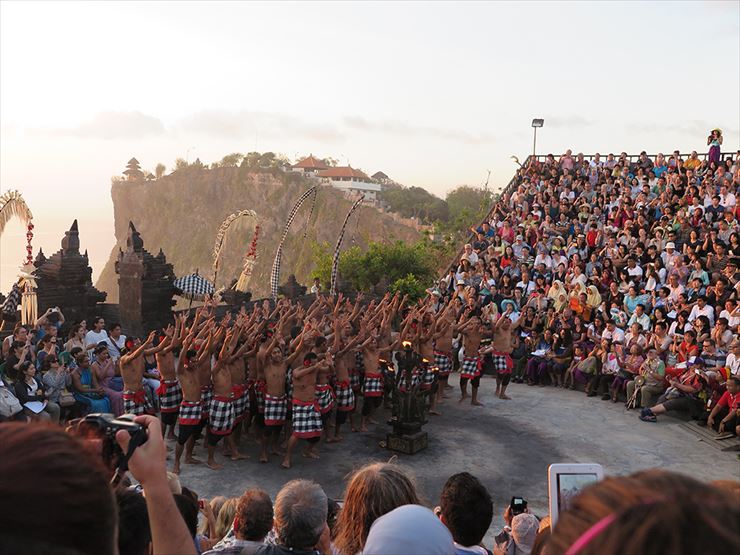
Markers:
<point>708,436</point>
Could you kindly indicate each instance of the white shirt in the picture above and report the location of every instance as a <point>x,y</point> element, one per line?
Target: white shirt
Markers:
<point>93,338</point>
<point>114,353</point>
<point>707,311</point>
<point>733,363</point>
<point>616,336</point>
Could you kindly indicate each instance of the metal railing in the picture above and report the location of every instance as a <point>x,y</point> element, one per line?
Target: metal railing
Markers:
<point>633,157</point>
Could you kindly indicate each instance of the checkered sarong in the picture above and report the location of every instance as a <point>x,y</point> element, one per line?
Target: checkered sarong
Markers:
<point>276,410</point>
<point>190,413</point>
<point>355,380</point>
<point>345,396</point>
<point>306,420</point>
<point>470,368</point>
<point>206,394</point>
<point>136,403</point>
<point>221,415</point>
<point>502,362</point>
<point>289,383</point>
<point>443,362</point>
<point>259,393</point>
<point>428,376</point>
<point>325,398</point>
<point>241,402</point>
<point>373,385</point>
<point>170,395</point>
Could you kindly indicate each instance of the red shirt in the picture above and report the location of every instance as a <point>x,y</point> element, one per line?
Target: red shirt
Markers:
<point>729,400</point>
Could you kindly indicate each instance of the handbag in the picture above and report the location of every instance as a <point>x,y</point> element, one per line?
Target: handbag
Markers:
<point>66,398</point>
<point>116,383</point>
<point>9,405</point>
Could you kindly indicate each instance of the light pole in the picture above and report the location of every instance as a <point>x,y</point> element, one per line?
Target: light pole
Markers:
<point>535,124</point>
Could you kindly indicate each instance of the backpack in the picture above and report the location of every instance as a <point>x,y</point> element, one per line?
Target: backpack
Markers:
<point>9,404</point>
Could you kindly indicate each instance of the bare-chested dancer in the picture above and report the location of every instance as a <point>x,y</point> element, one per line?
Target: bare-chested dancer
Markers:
<point>344,360</point>
<point>306,416</point>
<point>189,420</point>
<point>501,348</point>
<point>169,392</point>
<point>135,400</point>
<point>446,329</point>
<point>472,362</point>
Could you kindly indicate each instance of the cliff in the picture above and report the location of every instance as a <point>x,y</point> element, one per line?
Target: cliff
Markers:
<point>181,213</point>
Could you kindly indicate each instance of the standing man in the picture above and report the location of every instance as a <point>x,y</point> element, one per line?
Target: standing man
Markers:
<point>472,363</point>
<point>501,350</point>
<point>135,400</point>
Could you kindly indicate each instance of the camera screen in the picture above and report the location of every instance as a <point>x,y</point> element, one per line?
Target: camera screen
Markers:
<point>569,485</point>
<point>518,501</point>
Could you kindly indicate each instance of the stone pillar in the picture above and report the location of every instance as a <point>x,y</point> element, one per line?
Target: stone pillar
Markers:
<point>130,276</point>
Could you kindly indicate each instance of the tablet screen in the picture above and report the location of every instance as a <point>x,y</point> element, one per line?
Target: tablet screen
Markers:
<point>569,485</point>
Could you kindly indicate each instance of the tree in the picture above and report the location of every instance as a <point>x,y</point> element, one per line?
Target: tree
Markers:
<point>251,160</point>
<point>181,164</point>
<point>468,200</point>
<point>267,160</point>
<point>159,170</point>
<point>231,160</point>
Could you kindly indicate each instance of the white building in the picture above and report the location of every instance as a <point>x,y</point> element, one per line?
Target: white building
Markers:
<point>351,180</point>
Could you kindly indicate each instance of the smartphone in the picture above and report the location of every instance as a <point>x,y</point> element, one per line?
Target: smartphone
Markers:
<point>565,481</point>
<point>518,505</point>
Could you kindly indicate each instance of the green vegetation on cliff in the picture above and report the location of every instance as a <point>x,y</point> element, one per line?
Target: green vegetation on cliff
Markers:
<point>181,212</point>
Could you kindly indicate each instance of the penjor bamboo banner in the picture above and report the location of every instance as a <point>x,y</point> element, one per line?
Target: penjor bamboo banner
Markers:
<point>275,274</point>
<point>335,259</point>
<point>12,204</point>
<point>249,260</point>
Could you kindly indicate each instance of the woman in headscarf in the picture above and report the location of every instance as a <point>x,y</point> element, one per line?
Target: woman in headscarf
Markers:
<point>558,295</point>
<point>593,297</point>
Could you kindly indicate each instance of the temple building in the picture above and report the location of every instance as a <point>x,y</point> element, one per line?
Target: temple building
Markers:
<point>133,170</point>
<point>309,166</point>
<point>145,286</point>
<point>65,280</point>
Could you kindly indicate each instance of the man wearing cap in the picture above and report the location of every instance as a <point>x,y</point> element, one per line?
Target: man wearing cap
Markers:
<point>669,256</point>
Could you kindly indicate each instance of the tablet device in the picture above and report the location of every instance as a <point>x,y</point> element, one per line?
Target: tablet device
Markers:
<point>565,481</point>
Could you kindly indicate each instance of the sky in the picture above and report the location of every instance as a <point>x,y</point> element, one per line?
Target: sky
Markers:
<point>433,94</point>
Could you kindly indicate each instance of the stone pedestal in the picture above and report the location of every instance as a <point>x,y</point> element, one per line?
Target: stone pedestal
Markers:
<point>408,444</point>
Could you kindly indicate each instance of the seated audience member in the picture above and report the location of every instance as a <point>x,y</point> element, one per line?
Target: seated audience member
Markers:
<point>648,512</point>
<point>300,521</point>
<point>725,416</point>
<point>29,390</point>
<point>252,521</point>
<point>373,490</point>
<point>466,508</point>
<point>409,529</point>
<point>134,535</point>
<point>682,395</point>
<point>519,536</point>
<point>86,389</point>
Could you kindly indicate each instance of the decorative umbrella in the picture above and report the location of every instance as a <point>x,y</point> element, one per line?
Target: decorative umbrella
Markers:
<point>194,287</point>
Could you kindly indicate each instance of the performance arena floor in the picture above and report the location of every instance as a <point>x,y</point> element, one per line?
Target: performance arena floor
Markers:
<point>508,445</point>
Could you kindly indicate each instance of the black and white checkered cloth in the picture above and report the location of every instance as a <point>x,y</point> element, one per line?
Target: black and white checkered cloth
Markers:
<point>136,403</point>
<point>194,287</point>
<point>259,393</point>
<point>10,306</point>
<point>338,246</point>
<point>306,420</point>
<point>428,377</point>
<point>170,396</point>
<point>206,394</point>
<point>470,368</point>
<point>276,410</point>
<point>373,386</point>
<point>443,363</point>
<point>190,413</point>
<point>502,363</point>
<point>345,396</point>
<point>241,402</point>
<point>275,273</point>
<point>221,415</point>
<point>325,398</point>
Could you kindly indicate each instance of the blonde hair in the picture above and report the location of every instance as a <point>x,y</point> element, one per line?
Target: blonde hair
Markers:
<point>216,503</point>
<point>374,490</point>
<point>225,517</point>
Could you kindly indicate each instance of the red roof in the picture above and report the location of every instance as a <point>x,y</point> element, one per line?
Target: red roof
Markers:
<point>343,171</point>
<point>311,163</point>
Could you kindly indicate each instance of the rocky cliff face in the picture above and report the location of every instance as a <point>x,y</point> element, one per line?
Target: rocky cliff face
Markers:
<point>181,213</point>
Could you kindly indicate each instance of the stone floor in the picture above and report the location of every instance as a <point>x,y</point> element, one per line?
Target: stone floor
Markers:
<point>508,445</point>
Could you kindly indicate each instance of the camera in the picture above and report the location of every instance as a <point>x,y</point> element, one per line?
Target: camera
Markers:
<point>103,427</point>
<point>518,505</point>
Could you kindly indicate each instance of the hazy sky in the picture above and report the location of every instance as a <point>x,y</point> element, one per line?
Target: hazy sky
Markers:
<point>433,94</point>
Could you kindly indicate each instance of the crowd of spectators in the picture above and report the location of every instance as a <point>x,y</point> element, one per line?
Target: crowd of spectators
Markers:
<point>383,511</point>
<point>621,275</point>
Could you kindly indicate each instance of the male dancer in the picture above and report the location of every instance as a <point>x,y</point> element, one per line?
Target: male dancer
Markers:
<point>273,365</point>
<point>306,416</point>
<point>344,360</point>
<point>132,371</point>
<point>221,407</point>
<point>189,419</point>
<point>446,329</point>
<point>501,349</point>
<point>169,392</point>
<point>472,363</point>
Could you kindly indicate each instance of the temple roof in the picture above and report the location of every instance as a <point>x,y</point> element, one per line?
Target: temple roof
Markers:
<point>311,163</point>
<point>343,171</point>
